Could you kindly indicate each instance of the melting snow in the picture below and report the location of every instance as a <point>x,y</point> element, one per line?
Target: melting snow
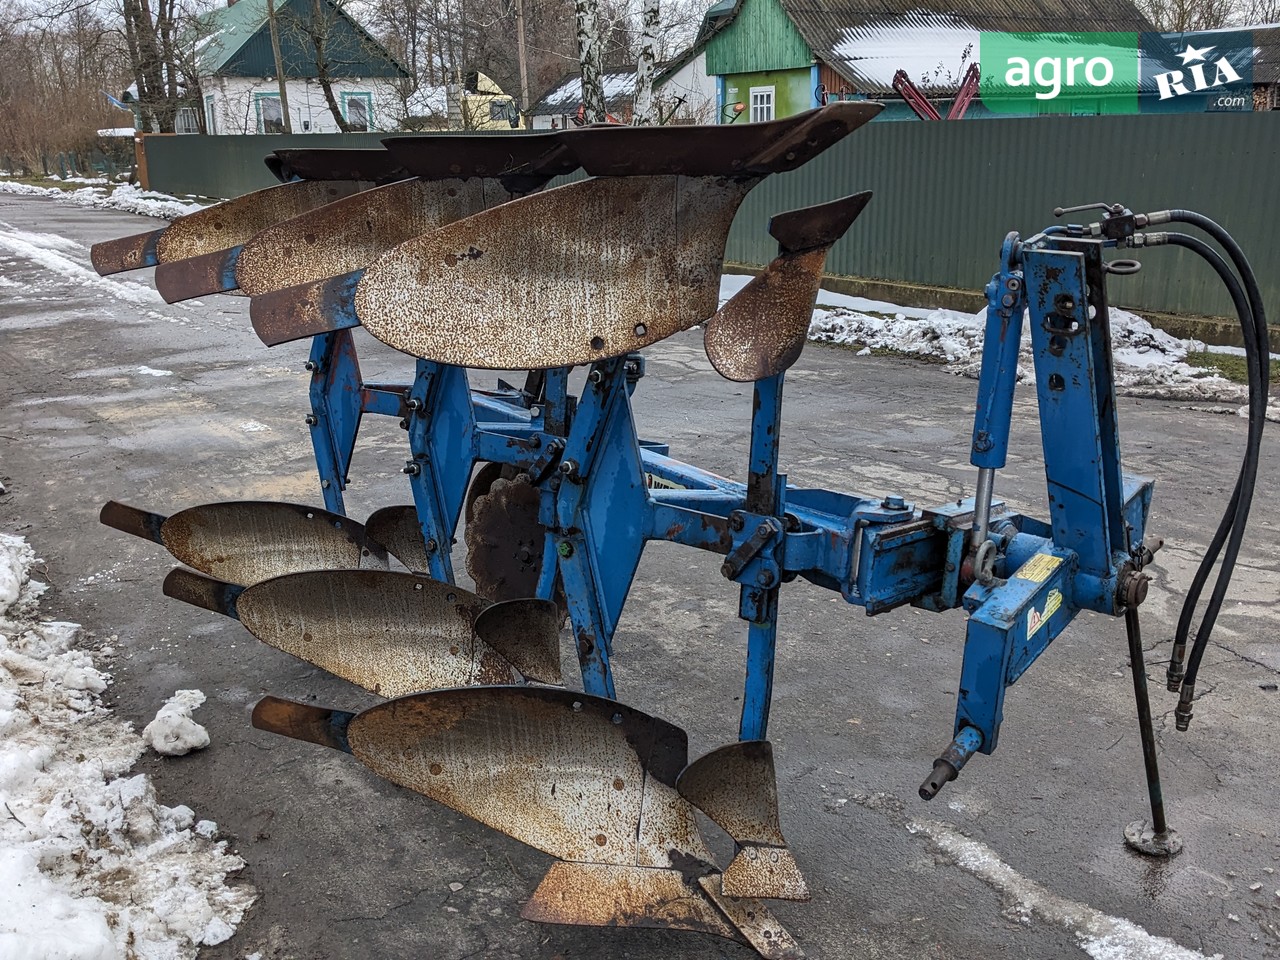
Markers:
<point>126,197</point>
<point>50,252</point>
<point>1148,361</point>
<point>1100,935</point>
<point>92,867</point>
<point>173,732</point>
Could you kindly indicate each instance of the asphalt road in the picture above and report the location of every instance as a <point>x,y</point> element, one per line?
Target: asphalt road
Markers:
<point>350,866</point>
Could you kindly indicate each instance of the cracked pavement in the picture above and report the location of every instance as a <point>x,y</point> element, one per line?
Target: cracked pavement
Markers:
<point>350,866</point>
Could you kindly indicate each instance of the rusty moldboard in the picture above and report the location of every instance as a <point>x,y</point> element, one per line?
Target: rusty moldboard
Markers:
<point>351,233</point>
<point>199,276</point>
<point>564,772</point>
<point>397,529</point>
<point>716,150</point>
<point>391,633</point>
<point>243,542</point>
<point>763,328</point>
<point>476,293</point>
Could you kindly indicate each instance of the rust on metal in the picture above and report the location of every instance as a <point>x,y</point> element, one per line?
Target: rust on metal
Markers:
<point>201,591</point>
<point>504,537</point>
<point>439,156</point>
<point>127,253</point>
<point>199,276</point>
<point>716,150</point>
<point>763,328</point>
<point>527,633</point>
<point>754,921</point>
<point>351,233</point>
<point>301,721</point>
<point>567,773</point>
<point>736,787</point>
<point>243,542</point>
<point>391,633</point>
<point>309,309</point>
<point>605,895</point>
<point>233,222</point>
<point>580,273</point>
<point>337,163</point>
<point>397,529</point>
<point>820,226</point>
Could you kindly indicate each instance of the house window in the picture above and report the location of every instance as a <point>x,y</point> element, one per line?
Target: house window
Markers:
<point>270,116</point>
<point>761,104</point>
<point>210,119</point>
<point>358,110</point>
<point>186,121</point>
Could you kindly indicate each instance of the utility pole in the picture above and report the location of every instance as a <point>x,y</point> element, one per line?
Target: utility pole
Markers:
<point>280,80</point>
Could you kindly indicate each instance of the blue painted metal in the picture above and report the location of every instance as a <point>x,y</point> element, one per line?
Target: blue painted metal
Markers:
<point>1006,301</point>
<point>605,493</point>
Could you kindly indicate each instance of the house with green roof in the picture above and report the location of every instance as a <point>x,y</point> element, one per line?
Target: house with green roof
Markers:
<point>337,76</point>
<point>774,58</point>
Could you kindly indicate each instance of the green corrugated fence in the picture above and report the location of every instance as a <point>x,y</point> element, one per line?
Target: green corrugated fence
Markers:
<point>946,193</point>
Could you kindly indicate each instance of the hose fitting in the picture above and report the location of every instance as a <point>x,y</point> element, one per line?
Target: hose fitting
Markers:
<point>1182,715</point>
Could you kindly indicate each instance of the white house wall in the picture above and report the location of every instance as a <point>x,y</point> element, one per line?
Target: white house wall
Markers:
<point>234,111</point>
<point>698,90</point>
<point>690,85</point>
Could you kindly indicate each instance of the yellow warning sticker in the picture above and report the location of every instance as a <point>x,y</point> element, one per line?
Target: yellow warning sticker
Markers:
<point>655,482</point>
<point>1037,619</point>
<point>1038,568</point>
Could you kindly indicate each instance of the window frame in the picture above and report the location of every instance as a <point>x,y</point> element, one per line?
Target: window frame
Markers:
<point>347,97</point>
<point>258,99</point>
<point>756,110</point>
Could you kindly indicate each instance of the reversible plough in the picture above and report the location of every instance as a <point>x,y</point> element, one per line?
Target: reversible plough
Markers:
<point>453,249</point>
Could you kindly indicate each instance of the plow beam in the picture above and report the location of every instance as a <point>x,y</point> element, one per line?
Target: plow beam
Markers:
<point>245,541</point>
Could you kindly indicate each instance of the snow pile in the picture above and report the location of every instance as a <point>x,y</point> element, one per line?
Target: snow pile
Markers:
<point>55,253</point>
<point>1148,362</point>
<point>92,867</point>
<point>125,196</point>
<point>173,732</point>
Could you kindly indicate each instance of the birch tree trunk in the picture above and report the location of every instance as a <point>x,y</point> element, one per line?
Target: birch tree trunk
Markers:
<point>644,109</point>
<point>590,55</point>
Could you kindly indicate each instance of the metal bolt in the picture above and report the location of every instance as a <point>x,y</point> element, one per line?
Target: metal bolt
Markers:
<point>432,546</point>
<point>1064,303</point>
<point>595,376</point>
<point>735,522</point>
<point>569,468</point>
<point>311,365</point>
<point>893,502</point>
<point>1007,300</point>
<point>404,424</point>
<point>312,420</point>
<point>412,468</point>
<point>325,484</point>
<point>535,411</point>
<point>1013,283</point>
<point>726,570</point>
<point>765,578</point>
<point>413,403</point>
<point>565,550</point>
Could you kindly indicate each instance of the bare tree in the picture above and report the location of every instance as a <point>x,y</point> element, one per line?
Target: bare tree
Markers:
<point>644,108</point>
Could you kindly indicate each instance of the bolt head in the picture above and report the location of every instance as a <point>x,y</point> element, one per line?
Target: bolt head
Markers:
<point>893,502</point>
<point>565,549</point>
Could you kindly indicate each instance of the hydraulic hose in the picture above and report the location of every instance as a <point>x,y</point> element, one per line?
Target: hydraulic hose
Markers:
<point>1253,323</point>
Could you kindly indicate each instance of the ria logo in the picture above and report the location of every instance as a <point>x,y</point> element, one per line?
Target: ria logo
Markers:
<point>1196,61</point>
